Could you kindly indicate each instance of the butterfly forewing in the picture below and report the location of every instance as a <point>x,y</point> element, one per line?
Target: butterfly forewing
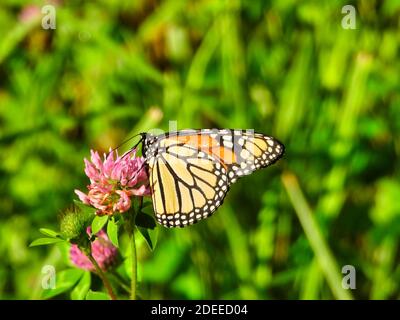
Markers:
<point>253,151</point>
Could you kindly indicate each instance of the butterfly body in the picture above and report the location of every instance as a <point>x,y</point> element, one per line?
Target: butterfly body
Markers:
<point>190,171</point>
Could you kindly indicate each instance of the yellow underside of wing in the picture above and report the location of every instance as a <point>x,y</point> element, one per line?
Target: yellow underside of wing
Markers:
<point>182,183</point>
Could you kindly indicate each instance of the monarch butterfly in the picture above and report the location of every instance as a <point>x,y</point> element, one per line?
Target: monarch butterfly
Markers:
<point>190,171</point>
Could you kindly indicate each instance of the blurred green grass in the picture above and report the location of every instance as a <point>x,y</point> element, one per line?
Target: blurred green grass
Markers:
<point>115,68</point>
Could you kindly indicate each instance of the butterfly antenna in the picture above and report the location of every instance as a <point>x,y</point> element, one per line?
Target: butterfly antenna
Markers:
<point>129,151</point>
<point>127,140</point>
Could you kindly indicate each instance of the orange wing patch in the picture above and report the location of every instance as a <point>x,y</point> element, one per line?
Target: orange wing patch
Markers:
<point>209,145</point>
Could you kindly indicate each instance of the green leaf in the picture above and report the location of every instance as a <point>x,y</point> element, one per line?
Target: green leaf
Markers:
<point>145,220</point>
<point>96,295</point>
<point>49,233</point>
<point>147,205</point>
<point>65,280</point>
<point>45,241</point>
<point>150,235</point>
<point>98,223</point>
<point>112,232</point>
<point>14,37</point>
<point>82,288</point>
<point>146,225</point>
<point>84,207</point>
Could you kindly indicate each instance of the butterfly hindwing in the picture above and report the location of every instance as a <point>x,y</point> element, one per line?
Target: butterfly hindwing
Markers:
<point>186,187</point>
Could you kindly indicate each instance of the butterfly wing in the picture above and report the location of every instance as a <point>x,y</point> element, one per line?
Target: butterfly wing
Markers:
<point>191,170</point>
<point>186,187</point>
<point>252,151</point>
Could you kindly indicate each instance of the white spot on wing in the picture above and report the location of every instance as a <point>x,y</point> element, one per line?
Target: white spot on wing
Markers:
<point>228,144</point>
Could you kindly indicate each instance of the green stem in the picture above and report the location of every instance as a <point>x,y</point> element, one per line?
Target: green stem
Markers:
<point>130,228</point>
<point>134,263</point>
<point>117,278</point>
<point>319,245</point>
<point>103,277</point>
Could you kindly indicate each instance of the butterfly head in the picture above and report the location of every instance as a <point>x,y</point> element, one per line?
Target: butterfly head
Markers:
<point>149,140</point>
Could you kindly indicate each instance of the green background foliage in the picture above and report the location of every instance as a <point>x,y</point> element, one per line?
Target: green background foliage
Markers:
<point>115,68</point>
